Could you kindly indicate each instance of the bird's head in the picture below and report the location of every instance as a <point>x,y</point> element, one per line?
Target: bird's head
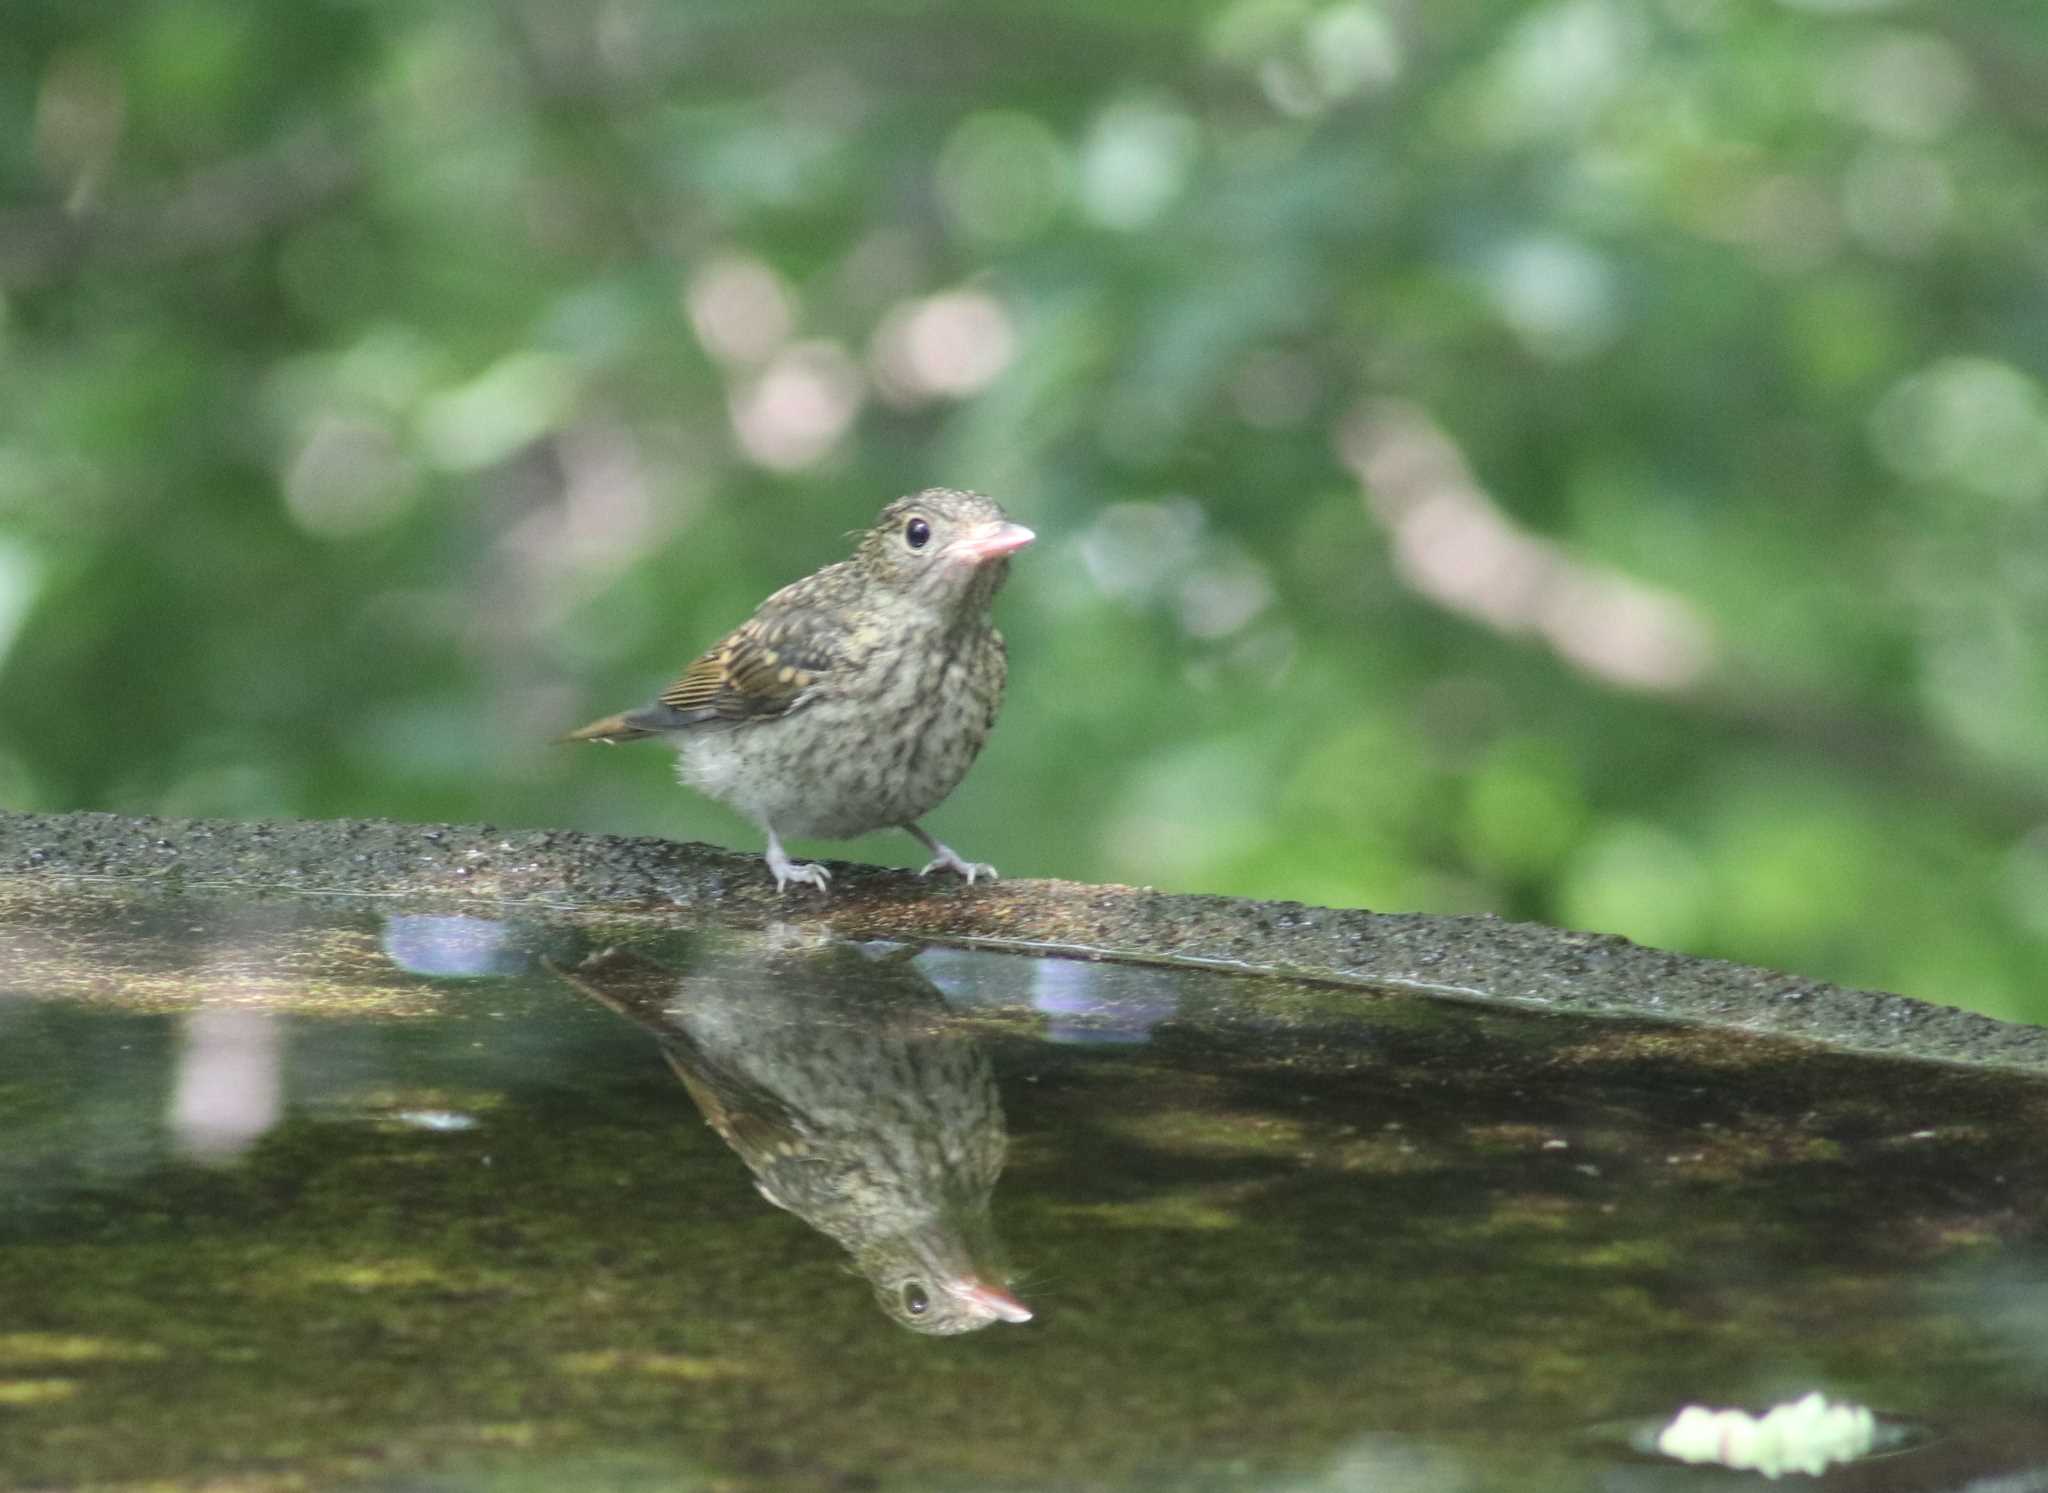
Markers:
<point>946,547</point>
<point>929,1281</point>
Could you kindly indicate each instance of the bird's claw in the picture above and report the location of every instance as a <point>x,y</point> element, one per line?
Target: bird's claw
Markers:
<point>808,873</point>
<point>785,870</point>
<point>970,870</point>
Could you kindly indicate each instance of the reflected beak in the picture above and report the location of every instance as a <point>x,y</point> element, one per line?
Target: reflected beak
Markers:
<point>986,542</point>
<point>992,1299</point>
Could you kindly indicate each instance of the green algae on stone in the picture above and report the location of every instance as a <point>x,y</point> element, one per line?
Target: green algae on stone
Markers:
<point>26,1348</point>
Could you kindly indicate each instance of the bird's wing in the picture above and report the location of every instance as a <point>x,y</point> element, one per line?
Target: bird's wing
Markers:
<point>749,1118</point>
<point>744,1113</point>
<point>767,666</point>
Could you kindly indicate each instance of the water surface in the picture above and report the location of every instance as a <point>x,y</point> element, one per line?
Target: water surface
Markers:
<point>333,1193</point>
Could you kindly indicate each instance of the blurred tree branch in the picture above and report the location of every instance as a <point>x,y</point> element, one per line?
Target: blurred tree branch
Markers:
<point>222,207</point>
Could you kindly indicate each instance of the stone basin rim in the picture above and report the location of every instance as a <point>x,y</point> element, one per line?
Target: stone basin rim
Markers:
<point>1464,958</point>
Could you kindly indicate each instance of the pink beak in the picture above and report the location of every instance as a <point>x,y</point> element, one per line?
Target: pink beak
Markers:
<point>991,541</point>
<point>991,1299</point>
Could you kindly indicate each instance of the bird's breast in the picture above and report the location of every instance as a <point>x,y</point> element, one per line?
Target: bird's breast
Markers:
<point>881,743</point>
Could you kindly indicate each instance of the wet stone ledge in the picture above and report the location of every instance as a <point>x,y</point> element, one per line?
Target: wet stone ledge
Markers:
<point>664,881</point>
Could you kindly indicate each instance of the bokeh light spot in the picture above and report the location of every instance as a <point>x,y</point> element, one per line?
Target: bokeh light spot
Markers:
<point>1353,49</point>
<point>1136,161</point>
<point>741,309</point>
<point>1972,423</point>
<point>509,405</point>
<point>1557,295</point>
<point>1134,549</point>
<point>21,578</point>
<point>1897,202</point>
<point>947,346</point>
<point>348,477</point>
<point>1559,67</point>
<point>1002,176</point>
<point>799,407</point>
<point>1909,85</point>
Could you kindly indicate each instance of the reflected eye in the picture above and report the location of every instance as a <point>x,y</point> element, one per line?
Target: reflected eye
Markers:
<point>917,534</point>
<point>915,1301</point>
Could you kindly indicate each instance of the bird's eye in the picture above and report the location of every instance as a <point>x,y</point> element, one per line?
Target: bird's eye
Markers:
<point>917,533</point>
<point>915,1301</point>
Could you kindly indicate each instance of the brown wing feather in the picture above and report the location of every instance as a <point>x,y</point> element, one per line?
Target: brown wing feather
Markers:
<point>740,1110</point>
<point>746,1116</point>
<point>765,667</point>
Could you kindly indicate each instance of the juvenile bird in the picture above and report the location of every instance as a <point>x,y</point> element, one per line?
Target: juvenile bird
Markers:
<point>859,1103</point>
<point>856,698</point>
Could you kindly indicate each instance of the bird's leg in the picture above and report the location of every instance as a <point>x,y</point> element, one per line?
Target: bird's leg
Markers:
<point>787,870</point>
<point>945,856</point>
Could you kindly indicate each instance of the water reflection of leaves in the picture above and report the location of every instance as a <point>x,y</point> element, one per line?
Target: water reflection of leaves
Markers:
<point>855,1099</point>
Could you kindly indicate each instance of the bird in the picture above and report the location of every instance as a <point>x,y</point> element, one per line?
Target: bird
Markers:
<point>855,1099</point>
<point>856,698</point>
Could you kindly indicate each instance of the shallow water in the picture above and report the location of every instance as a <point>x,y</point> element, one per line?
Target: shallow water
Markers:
<point>318,1192</point>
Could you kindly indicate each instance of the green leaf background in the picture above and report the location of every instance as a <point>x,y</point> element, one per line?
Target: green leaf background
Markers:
<point>1581,461</point>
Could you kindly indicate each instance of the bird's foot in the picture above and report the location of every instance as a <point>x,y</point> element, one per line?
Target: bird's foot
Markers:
<point>808,873</point>
<point>949,860</point>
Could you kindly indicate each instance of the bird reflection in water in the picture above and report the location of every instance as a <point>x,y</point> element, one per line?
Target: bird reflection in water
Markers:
<point>854,1098</point>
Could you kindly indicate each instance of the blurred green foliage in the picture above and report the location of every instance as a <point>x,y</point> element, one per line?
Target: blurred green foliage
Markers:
<point>1586,461</point>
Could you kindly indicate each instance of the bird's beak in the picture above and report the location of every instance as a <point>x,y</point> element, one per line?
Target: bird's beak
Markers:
<point>992,1299</point>
<point>991,541</point>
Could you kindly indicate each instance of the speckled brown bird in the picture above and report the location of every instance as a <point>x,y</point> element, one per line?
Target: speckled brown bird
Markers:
<point>856,1100</point>
<point>854,699</point>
